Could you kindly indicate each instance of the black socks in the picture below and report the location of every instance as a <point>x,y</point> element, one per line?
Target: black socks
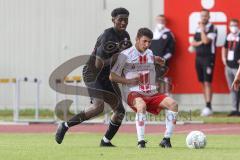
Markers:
<point>112,130</point>
<point>77,119</point>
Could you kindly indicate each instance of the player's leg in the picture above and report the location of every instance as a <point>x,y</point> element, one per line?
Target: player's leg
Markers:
<point>230,75</point>
<point>116,118</point>
<point>114,124</point>
<point>92,111</point>
<point>201,69</point>
<point>137,103</point>
<point>208,94</point>
<point>171,118</point>
<point>207,85</point>
<point>200,74</point>
<point>140,119</point>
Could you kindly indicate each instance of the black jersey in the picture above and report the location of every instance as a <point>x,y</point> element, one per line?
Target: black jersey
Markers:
<point>206,50</point>
<point>232,44</point>
<point>163,43</point>
<point>108,43</point>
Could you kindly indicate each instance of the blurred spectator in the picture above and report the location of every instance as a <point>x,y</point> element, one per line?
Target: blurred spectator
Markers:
<point>205,45</point>
<point>163,42</point>
<point>162,45</point>
<point>231,60</point>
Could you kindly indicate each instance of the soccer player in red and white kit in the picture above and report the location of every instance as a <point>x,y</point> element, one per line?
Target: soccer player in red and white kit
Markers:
<point>135,69</point>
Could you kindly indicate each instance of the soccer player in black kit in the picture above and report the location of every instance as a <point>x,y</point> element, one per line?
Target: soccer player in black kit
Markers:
<point>96,77</point>
<point>205,44</point>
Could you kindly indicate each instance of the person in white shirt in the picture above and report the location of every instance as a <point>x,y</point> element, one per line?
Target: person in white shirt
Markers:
<point>135,69</point>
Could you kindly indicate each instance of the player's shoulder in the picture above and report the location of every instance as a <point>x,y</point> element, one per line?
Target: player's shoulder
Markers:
<point>169,33</point>
<point>112,31</point>
<point>149,52</point>
<point>166,30</point>
<point>211,27</point>
<point>108,31</point>
<point>106,34</point>
<point>128,51</point>
<point>126,33</point>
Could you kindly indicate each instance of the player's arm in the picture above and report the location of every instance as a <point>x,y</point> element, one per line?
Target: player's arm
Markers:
<point>119,79</point>
<point>170,47</point>
<point>207,38</point>
<point>103,58</point>
<point>236,82</point>
<point>159,60</point>
<point>195,43</point>
<point>117,71</point>
<point>224,52</point>
<point>99,63</point>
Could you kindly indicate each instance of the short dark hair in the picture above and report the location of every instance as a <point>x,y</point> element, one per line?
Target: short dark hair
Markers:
<point>118,11</point>
<point>144,32</point>
<point>205,10</point>
<point>234,20</point>
<point>161,15</point>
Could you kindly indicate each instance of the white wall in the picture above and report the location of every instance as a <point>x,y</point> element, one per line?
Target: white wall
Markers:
<point>36,36</point>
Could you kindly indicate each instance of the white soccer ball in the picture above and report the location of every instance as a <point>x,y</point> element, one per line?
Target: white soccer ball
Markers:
<point>196,140</point>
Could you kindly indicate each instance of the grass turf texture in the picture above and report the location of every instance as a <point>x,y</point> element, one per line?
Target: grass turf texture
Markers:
<point>85,146</point>
<point>218,117</point>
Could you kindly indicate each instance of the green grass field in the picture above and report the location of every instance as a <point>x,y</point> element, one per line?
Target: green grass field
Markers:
<point>85,147</point>
<point>218,117</point>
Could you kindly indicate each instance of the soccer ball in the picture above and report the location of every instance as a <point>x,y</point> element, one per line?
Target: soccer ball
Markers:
<point>196,139</point>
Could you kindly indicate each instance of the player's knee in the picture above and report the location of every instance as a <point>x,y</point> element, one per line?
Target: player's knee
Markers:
<point>170,104</point>
<point>207,84</point>
<point>140,105</point>
<point>121,112</point>
<point>118,115</point>
<point>173,106</point>
<point>98,107</point>
<point>141,109</point>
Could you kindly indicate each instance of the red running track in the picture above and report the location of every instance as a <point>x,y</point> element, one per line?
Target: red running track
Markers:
<point>228,129</point>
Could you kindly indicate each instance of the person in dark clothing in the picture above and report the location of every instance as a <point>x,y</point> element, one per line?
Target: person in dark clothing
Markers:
<point>163,43</point>
<point>205,45</point>
<point>231,60</point>
<point>96,77</point>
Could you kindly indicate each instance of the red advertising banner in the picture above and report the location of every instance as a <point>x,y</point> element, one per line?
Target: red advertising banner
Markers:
<point>183,18</point>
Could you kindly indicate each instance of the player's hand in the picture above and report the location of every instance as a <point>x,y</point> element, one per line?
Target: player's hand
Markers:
<point>224,62</point>
<point>236,84</point>
<point>159,60</point>
<point>134,81</point>
<point>202,26</point>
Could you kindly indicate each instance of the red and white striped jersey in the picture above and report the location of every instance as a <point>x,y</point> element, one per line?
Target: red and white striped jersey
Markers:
<point>131,63</point>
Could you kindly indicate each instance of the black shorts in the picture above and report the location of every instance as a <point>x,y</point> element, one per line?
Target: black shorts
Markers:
<point>105,90</point>
<point>205,67</point>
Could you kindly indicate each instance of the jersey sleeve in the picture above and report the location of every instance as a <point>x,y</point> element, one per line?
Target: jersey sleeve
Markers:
<point>119,64</point>
<point>170,46</point>
<point>103,41</point>
<point>212,34</point>
<point>126,43</point>
<point>226,44</point>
